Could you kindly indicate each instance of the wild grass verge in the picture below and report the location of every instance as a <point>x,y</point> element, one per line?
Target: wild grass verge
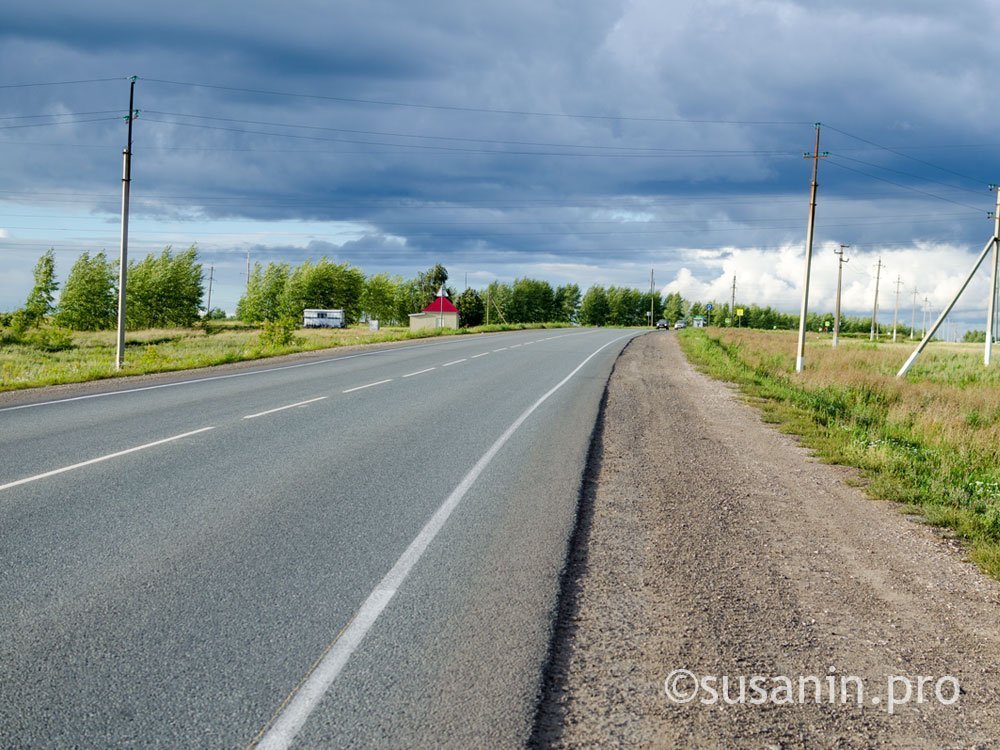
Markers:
<point>90,356</point>
<point>931,441</point>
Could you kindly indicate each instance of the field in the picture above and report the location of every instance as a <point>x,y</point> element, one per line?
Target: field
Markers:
<point>930,440</point>
<point>92,355</point>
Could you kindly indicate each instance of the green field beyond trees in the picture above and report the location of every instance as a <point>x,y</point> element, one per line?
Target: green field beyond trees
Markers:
<point>930,440</point>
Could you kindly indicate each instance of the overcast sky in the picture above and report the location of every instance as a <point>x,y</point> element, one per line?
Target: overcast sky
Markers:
<point>581,141</point>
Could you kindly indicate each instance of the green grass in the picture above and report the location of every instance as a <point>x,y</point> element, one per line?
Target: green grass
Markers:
<point>92,355</point>
<point>931,441</point>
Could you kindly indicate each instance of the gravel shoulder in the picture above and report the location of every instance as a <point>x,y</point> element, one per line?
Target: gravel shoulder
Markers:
<point>711,542</point>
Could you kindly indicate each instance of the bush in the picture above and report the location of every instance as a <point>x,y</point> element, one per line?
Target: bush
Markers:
<point>53,339</point>
<point>277,334</point>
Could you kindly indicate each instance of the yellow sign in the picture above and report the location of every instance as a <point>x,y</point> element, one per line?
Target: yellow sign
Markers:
<point>739,312</point>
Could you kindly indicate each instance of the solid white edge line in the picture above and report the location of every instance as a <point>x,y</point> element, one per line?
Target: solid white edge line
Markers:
<point>108,457</point>
<point>282,408</point>
<point>419,372</point>
<point>293,716</point>
<point>367,385</point>
<point>449,364</point>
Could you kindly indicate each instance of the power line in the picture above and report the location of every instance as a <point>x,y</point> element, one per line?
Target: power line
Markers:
<point>907,156</point>
<point>833,161</point>
<point>60,83</point>
<point>455,108</point>
<point>909,174</point>
<point>740,152</point>
<point>458,149</point>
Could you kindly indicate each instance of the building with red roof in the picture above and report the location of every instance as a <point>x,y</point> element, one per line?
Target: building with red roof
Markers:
<point>440,313</point>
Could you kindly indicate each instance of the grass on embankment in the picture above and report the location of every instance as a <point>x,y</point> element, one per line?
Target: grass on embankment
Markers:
<point>931,440</point>
<point>92,355</point>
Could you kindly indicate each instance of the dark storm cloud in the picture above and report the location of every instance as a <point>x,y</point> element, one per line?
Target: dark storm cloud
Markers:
<point>445,182</point>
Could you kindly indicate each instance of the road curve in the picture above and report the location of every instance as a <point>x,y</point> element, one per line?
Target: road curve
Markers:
<point>350,551</point>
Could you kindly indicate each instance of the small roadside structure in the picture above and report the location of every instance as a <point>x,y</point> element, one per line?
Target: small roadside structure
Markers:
<point>698,321</point>
<point>440,313</point>
<point>323,319</point>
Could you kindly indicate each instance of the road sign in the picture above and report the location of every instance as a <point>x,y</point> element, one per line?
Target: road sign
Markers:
<point>708,307</point>
<point>739,312</point>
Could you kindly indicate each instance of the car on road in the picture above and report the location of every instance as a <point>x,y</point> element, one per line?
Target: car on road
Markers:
<point>661,323</point>
<point>680,324</point>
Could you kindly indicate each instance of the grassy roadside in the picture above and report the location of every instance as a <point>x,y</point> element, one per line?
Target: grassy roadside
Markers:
<point>931,442</point>
<point>91,356</point>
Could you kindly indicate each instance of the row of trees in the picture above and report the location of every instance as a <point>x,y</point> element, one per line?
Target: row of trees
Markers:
<point>163,290</point>
<point>278,291</point>
<point>166,290</point>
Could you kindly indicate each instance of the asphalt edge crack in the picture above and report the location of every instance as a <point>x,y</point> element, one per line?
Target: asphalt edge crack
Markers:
<point>550,709</point>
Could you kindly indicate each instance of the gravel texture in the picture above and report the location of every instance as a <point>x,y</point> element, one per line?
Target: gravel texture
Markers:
<point>711,542</point>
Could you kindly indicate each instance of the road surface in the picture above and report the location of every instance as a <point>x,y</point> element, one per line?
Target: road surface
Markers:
<point>355,550</point>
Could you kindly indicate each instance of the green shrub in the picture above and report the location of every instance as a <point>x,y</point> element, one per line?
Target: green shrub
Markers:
<point>277,334</point>
<point>52,339</point>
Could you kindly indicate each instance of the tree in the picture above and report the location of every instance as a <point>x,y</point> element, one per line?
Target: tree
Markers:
<point>594,307</point>
<point>430,283</point>
<point>323,285</point>
<point>39,303</point>
<point>532,301</point>
<point>499,298</point>
<point>567,303</point>
<point>164,290</point>
<point>471,308</point>
<point>89,300</point>
<point>379,298</point>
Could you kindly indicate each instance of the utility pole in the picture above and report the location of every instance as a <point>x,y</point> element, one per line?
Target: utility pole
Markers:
<point>651,321</point>
<point>913,314</point>
<point>123,255</point>
<point>895,312</point>
<point>801,348</point>
<point>988,352</point>
<point>248,269</point>
<point>487,305</point>
<point>732,305</point>
<point>927,307</point>
<point>211,277</point>
<point>878,273</point>
<point>841,260</point>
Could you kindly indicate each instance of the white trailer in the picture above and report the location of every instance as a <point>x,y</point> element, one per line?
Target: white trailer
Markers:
<point>323,319</point>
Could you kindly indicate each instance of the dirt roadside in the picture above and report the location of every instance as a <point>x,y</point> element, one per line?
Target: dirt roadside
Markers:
<point>713,543</point>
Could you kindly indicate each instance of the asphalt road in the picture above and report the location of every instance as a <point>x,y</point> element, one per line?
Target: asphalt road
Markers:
<point>351,551</point>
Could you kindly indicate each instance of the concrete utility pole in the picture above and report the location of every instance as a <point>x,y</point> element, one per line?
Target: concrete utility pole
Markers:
<point>211,277</point>
<point>651,321</point>
<point>988,352</point>
<point>487,305</point>
<point>732,305</point>
<point>878,274</point>
<point>991,244</point>
<point>926,308</point>
<point>800,354</point>
<point>913,315</point>
<point>895,312</point>
<point>123,255</point>
<point>841,260</point>
<point>248,268</point>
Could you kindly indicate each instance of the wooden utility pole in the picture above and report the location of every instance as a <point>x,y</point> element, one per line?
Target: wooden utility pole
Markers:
<point>801,348</point>
<point>123,254</point>
<point>841,260</point>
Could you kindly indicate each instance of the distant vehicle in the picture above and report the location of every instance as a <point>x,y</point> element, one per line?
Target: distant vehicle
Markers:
<point>680,324</point>
<point>323,319</point>
<point>661,323</point>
